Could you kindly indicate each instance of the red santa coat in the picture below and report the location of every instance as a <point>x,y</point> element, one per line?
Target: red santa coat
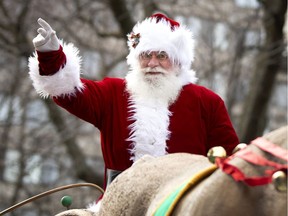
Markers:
<point>199,120</point>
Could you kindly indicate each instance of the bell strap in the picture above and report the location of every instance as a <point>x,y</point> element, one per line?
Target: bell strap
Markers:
<point>271,148</point>
<point>255,159</point>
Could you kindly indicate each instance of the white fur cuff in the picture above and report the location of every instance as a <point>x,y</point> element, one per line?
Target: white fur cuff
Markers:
<point>94,207</point>
<point>65,82</point>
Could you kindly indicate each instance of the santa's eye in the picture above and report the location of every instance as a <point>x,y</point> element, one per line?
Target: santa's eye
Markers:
<point>146,56</point>
<point>161,56</point>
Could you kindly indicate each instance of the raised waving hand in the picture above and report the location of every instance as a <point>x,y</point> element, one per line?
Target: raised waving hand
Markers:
<point>46,40</point>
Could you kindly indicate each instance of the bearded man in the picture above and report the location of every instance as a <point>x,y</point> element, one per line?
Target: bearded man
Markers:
<point>156,110</point>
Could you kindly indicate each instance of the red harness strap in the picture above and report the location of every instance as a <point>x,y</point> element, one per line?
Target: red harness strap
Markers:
<point>253,158</point>
<point>271,148</point>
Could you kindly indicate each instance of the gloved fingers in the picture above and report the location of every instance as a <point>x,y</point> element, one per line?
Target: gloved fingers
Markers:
<point>39,40</point>
<point>46,39</point>
<point>45,25</point>
<point>53,36</point>
<point>46,31</point>
<point>45,35</point>
<point>42,31</point>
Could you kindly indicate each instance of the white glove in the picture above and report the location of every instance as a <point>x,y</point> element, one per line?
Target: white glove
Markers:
<point>46,40</point>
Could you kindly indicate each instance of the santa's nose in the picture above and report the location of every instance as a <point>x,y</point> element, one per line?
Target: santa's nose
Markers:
<point>153,62</point>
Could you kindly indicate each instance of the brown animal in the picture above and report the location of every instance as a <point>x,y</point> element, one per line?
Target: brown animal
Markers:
<point>140,189</point>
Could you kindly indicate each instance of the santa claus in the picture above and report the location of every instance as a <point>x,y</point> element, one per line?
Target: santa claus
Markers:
<point>156,109</point>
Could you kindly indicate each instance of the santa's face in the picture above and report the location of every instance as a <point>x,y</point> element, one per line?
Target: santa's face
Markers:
<point>155,78</point>
<point>155,66</point>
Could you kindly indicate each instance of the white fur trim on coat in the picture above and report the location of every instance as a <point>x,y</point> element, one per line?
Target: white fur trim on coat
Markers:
<point>65,82</point>
<point>149,132</point>
<point>150,118</point>
<point>94,207</point>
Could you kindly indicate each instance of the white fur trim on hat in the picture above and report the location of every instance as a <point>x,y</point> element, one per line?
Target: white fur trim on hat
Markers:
<point>156,35</point>
<point>65,82</point>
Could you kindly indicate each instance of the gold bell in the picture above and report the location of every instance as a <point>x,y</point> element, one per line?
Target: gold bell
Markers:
<point>215,152</point>
<point>239,147</point>
<point>279,180</point>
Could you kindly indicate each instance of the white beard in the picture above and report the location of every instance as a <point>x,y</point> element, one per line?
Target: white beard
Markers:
<point>150,98</point>
<point>160,88</point>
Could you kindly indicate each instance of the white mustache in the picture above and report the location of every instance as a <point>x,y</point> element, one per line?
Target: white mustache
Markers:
<point>156,69</point>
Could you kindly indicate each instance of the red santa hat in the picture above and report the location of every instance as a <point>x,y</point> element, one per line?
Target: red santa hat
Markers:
<point>160,33</point>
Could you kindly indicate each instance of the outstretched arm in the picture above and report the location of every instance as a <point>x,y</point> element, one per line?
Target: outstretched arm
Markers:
<point>55,73</point>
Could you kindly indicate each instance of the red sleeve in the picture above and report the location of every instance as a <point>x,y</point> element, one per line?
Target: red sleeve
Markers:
<point>89,104</point>
<point>51,62</point>
<point>222,132</point>
<point>94,101</point>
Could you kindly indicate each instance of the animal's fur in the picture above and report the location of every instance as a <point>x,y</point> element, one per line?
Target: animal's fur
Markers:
<point>140,189</point>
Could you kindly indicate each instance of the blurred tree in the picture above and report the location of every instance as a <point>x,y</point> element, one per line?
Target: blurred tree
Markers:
<point>266,69</point>
<point>14,48</point>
